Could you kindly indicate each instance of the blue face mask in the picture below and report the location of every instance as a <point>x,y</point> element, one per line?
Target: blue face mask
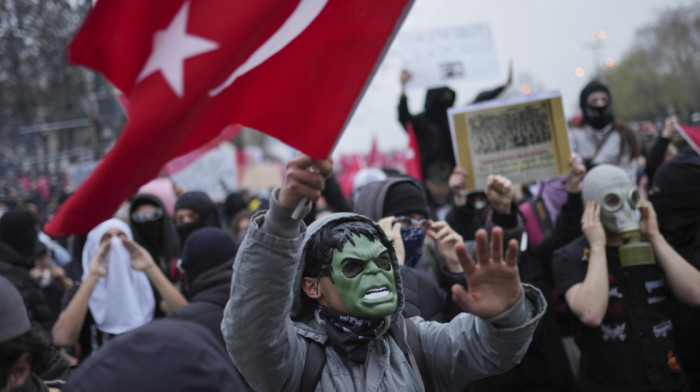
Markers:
<point>413,244</point>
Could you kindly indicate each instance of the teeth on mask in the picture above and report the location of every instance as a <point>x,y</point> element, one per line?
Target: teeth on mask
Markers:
<point>376,293</point>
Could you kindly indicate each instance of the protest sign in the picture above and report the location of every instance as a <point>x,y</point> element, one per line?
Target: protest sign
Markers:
<point>523,138</point>
<point>440,56</point>
<point>77,173</point>
<point>213,173</point>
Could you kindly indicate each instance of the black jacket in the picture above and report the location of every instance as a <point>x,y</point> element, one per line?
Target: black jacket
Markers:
<point>209,292</point>
<point>15,268</point>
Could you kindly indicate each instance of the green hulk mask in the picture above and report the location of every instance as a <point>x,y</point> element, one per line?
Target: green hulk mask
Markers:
<point>364,278</point>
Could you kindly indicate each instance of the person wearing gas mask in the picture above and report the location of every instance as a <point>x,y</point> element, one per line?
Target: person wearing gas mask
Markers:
<point>619,288</point>
<point>600,138</point>
<point>334,287</point>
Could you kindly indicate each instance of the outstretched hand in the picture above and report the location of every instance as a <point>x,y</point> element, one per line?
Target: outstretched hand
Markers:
<point>493,282</point>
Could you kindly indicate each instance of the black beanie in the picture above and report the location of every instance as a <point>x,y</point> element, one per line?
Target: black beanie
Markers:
<point>405,198</point>
<point>205,249</point>
<point>18,230</point>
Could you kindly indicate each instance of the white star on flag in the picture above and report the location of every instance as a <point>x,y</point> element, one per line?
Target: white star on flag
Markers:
<point>171,47</point>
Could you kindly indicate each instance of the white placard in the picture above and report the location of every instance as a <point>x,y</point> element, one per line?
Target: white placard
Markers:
<point>441,56</point>
<point>213,173</point>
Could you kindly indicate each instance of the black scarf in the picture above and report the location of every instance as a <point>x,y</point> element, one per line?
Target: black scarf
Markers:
<point>349,335</point>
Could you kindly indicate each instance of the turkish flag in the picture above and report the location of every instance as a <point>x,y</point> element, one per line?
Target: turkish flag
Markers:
<point>294,69</point>
<point>413,154</point>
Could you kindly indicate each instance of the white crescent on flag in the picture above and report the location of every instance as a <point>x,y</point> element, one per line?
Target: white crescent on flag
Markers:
<point>298,21</point>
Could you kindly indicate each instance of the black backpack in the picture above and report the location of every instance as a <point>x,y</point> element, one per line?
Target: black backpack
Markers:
<point>411,346</point>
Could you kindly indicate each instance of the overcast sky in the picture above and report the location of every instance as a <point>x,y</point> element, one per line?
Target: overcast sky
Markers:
<point>546,39</point>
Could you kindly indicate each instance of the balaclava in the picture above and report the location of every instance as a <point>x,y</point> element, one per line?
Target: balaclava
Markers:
<point>597,117</point>
<point>200,203</point>
<point>18,230</point>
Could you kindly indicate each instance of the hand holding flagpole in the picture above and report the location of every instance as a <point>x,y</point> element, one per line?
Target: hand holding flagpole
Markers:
<point>304,181</point>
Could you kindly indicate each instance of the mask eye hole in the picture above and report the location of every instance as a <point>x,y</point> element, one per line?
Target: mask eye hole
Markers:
<point>612,202</point>
<point>352,269</point>
<point>383,263</point>
<point>635,199</point>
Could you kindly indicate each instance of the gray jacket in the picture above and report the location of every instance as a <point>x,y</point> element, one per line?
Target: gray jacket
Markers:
<point>268,320</point>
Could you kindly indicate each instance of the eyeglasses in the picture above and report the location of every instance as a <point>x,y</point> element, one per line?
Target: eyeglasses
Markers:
<point>147,216</point>
<point>407,222</point>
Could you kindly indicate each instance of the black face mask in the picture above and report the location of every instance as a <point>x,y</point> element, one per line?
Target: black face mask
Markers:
<point>185,229</point>
<point>152,235</point>
<point>597,117</point>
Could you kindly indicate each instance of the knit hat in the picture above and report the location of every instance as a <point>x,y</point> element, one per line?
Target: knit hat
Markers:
<point>18,230</point>
<point>13,315</point>
<point>405,198</point>
<point>205,249</point>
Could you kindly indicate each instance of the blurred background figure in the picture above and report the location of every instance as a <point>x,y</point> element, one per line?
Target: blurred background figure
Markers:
<point>194,210</point>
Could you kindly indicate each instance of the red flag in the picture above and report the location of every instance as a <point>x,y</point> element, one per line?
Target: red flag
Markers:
<point>691,133</point>
<point>294,69</point>
<point>413,154</point>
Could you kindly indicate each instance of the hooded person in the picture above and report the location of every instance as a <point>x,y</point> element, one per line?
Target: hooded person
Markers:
<point>165,355</point>
<point>618,279</point>
<point>18,241</point>
<point>206,260</point>
<point>154,230</point>
<point>601,139</point>
<point>403,197</point>
<point>676,184</point>
<point>194,210</point>
<point>115,295</point>
<point>26,358</point>
<point>335,285</point>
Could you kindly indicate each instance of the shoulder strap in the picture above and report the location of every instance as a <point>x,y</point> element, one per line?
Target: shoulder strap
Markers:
<point>313,366</point>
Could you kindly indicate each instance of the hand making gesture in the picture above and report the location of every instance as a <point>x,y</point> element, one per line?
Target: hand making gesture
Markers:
<point>493,282</point>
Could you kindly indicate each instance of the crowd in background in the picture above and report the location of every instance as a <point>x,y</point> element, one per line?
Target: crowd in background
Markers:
<point>160,269</point>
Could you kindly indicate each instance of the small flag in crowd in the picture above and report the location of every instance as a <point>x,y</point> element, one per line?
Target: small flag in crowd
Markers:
<point>691,133</point>
<point>294,69</point>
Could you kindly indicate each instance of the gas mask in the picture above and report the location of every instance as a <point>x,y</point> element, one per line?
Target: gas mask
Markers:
<point>609,187</point>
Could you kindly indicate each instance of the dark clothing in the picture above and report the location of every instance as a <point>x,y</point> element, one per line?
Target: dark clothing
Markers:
<point>423,297</point>
<point>158,236</point>
<point>164,355</point>
<point>90,338</point>
<point>432,128</point>
<point>545,366</point>
<point>655,158</point>
<point>466,219</point>
<point>678,211</point>
<point>633,349</point>
<point>209,295</point>
<point>15,267</point>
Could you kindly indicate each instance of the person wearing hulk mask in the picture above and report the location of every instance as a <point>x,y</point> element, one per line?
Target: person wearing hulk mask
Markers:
<point>335,287</point>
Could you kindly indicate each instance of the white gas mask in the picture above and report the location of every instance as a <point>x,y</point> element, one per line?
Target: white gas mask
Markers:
<point>609,187</point>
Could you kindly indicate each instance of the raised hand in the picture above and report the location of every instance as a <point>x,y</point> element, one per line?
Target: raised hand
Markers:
<point>141,259</point>
<point>393,233</point>
<point>446,241</point>
<point>96,267</point>
<point>493,282</point>
<point>591,226</point>
<point>458,183</point>
<point>648,224</point>
<point>305,177</point>
<point>499,191</point>
<point>576,173</point>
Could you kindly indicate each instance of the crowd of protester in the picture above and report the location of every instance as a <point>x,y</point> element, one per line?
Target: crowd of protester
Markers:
<point>179,292</point>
